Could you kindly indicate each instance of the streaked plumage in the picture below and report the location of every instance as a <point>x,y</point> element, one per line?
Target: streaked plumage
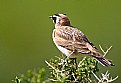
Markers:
<point>71,41</point>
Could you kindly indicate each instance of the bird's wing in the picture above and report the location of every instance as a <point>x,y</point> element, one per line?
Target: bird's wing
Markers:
<point>74,40</point>
<point>71,39</point>
<point>81,38</point>
<point>88,46</point>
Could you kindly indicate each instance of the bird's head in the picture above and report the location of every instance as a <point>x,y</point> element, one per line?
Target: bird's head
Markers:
<point>60,20</point>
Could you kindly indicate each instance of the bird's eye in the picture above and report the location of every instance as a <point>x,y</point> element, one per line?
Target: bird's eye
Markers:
<point>54,19</point>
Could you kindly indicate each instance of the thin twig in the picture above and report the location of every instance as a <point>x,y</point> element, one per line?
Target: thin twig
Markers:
<point>105,52</point>
<point>95,76</point>
<point>74,77</point>
<point>52,66</point>
<point>81,61</point>
<point>102,49</point>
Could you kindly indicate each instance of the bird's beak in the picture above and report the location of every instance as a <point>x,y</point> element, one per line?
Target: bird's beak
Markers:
<point>50,16</point>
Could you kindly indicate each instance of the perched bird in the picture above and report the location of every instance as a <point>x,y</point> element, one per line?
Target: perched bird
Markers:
<point>71,41</point>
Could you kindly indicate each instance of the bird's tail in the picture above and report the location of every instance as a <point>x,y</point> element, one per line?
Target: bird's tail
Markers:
<point>104,61</point>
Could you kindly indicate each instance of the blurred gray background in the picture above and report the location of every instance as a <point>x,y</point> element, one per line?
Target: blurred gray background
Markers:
<point>25,32</point>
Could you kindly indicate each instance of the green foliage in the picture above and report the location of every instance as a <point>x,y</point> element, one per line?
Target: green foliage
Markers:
<point>33,76</point>
<point>69,70</point>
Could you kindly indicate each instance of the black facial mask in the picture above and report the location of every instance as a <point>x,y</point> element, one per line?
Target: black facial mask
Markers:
<point>54,19</point>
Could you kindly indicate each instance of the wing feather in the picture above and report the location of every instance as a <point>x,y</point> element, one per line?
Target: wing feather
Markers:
<point>73,39</point>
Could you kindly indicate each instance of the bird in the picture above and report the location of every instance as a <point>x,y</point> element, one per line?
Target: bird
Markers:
<point>72,42</point>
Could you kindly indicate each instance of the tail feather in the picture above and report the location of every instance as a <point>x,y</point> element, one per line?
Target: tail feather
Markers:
<point>104,61</point>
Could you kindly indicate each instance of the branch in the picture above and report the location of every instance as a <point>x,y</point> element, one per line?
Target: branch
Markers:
<point>105,52</point>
